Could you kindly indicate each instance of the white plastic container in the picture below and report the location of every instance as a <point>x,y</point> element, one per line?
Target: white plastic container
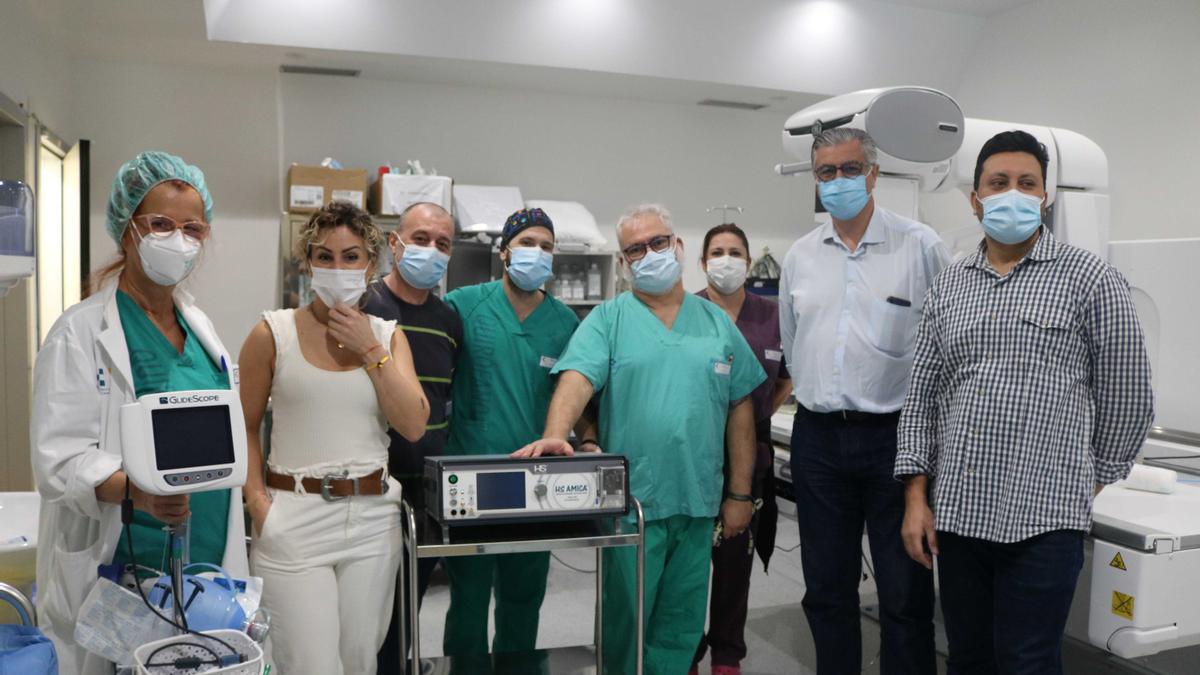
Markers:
<point>594,289</point>
<point>253,665</point>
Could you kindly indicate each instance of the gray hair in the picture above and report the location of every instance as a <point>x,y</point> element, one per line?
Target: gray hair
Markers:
<point>839,135</point>
<point>641,211</point>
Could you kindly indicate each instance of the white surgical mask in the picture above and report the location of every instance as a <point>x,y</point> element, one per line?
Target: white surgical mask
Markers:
<point>167,260</point>
<point>657,272</point>
<point>339,286</point>
<point>726,274</point>
<point>422,266</point>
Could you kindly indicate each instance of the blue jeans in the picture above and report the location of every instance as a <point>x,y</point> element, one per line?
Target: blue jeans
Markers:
<point>1006,605</point>
<point>842,472</point>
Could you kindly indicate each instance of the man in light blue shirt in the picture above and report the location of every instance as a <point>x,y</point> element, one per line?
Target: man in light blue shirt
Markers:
<point>850,299</point>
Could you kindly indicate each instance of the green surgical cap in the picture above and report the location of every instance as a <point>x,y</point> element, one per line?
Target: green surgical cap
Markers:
<point>138,176</point>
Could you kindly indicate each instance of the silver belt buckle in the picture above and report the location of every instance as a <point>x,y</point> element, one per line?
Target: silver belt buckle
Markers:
<point>327,485</point>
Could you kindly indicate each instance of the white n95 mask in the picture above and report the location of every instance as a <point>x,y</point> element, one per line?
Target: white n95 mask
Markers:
<point>168,260</point>
<point>727,274</point>
<point>339,286</point>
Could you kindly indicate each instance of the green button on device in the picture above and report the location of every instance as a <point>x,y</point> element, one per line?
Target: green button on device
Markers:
<point>453,479</point>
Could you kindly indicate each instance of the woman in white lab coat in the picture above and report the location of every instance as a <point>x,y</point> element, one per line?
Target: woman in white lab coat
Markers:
<point>158,214</point>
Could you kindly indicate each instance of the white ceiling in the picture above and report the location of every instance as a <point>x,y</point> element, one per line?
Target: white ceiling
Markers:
<point>976,7</point>
<point>783,54</point>
<point>819,46</point>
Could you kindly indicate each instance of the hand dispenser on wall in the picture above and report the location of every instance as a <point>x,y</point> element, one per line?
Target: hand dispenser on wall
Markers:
<point>17,233</point>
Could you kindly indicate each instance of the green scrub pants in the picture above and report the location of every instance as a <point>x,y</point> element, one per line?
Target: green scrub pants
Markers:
<point>678,555</point>
<point>520,583</point>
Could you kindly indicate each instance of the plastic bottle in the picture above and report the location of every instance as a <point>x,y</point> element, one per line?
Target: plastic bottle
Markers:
<point>569,280</point>
<point>581,283</point>
<point>593,283</point>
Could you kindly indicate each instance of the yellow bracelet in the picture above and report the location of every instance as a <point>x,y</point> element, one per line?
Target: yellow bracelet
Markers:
<point>385,359</point>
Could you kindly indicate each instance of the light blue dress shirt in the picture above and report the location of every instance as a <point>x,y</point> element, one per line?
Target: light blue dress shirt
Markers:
<point>848,319</point>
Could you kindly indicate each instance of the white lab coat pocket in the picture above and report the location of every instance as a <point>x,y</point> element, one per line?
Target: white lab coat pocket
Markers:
<point>892,327</point>
<point>72,576</point>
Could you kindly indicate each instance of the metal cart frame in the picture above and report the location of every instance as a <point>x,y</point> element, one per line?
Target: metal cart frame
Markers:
<point>25,610</point>
<point>413,550</point>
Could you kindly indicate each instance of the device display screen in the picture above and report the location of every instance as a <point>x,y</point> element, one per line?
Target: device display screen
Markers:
<point>192,437</point>
<point>501,490</point>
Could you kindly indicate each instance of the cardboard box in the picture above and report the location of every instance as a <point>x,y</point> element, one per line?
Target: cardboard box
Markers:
<point>311,187</point>
<point>391,193</point>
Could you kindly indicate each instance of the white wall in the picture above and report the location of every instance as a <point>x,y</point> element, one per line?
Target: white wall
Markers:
<point>223,121</point>
<point>607,153</point>
<point>34,73</point>
<point>34,68</point>
<point>1124,74</point>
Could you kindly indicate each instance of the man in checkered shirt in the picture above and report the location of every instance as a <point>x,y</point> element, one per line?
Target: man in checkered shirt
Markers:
<point>1030,392</point>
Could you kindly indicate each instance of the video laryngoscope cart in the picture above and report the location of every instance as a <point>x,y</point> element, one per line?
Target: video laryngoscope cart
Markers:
<point>575,502</point>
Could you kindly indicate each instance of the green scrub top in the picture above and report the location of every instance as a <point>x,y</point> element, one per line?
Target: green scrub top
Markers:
<point>502,379</point>
<point>665,396</point>
<point>157,367</point>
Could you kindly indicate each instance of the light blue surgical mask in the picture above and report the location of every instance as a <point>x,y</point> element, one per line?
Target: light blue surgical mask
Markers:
<point>529,267</point>
<point>656,273</point>
<point>422,266</point>
<point>844,197</point>
<point>1011,217</point>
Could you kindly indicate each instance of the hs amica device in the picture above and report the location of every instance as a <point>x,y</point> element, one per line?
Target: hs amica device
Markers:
<point>476,490</point>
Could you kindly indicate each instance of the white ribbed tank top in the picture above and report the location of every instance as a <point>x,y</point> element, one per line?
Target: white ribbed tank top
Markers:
<point>323,421</point>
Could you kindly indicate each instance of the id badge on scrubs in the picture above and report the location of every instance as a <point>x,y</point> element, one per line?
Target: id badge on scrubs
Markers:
<point>547,362</point>
<point>773,355</point>
<point>722,368</point>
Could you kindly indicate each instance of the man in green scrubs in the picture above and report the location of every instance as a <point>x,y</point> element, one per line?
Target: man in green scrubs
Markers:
<point>513,334</point>
<point>674,376</point>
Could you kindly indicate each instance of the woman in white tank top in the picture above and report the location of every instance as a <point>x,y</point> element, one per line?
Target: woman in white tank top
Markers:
<point>325,514</point>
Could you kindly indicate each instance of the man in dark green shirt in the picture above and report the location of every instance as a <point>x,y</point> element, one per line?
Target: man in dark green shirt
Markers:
<point>421,248</point>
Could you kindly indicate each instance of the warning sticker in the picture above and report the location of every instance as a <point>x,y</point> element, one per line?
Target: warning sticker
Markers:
<point>1122,605</point>
<point>1118,562</point>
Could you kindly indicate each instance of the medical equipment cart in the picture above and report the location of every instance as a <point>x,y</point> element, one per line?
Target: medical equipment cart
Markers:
<point>588,534</point>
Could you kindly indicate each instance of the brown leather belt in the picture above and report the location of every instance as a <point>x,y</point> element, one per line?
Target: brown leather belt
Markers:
<point>333,487</point>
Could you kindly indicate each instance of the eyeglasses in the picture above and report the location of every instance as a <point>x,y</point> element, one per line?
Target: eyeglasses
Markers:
<point>827,172</point>
<point>658,244</point>
<point>164,226</point>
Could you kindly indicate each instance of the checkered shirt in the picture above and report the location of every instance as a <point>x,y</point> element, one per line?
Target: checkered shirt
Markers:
<point>1026,391</point>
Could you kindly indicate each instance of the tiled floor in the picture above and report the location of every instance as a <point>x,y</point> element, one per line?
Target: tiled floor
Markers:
<point>777,634</point>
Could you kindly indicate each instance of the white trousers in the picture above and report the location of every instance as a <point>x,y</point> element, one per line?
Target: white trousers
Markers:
<point>329,580</point>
